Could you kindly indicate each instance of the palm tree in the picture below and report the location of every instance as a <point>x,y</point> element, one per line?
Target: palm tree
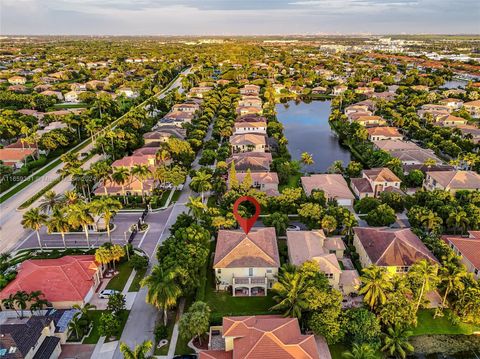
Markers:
<point>290,292</point>
<point>70,197</point>
<point>9,302</point>
<point>50,200</point>
<point>21,300</point>
<point>34,220</point>
<point>107,208</point>
<point>426,272</point>
<point>76,324</point>
<point>139,352</point>
<point>430,221</point>
<point>141,173</point>
<point>117,252</point>
<point>396,342</point>
<point>458,219</point>
<point>163,291</point>
<point>79,216</point>
<point>375,285</point>
<point>58,222</point>
<point>120,176</point>
<point>201,183</point>
<point>102,172</point>
<point>196,207</point>
<point>306,159</point>
<point>279,221</point>
<point>364,351</point>
<point>451,276</point>
<point>103,255</point>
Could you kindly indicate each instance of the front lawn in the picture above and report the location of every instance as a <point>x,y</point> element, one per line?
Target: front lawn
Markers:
<point>118,282</point>
<point>336,350</point>
<point>170,324</point>
<point>135,286</point>
<point>440,325</point>
<point>182,346</point>
<point>293,182</point>
<point>95,317</point>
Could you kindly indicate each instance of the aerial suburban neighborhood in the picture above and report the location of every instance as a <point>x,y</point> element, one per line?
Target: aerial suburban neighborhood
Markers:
<point>128,164</point>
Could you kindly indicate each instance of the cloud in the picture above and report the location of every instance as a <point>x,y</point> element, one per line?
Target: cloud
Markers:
<point>184,17</point>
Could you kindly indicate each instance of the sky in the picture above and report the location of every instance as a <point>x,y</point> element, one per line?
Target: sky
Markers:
<point>234,17</point>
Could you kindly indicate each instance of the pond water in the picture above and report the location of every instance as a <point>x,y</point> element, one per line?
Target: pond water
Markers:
<point>307,130</point>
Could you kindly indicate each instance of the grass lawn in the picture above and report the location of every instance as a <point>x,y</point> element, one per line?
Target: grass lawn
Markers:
<point>440,325</point>
<point>70,105</point>
<point>224,304</point>
<point>336,350</point>
<point>182,347</point>
<point>163,199</point>
<point>176,196</point>
<point>292,182</point>
<point>118,282</point>
<point>135,286</point>
<point>95,316</point>
<point>164,350</point>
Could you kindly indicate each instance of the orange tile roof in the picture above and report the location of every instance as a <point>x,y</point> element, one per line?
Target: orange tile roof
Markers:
<point>469,247</point>
<point>64,279</point>
<point>268,337</point>
<point>235,249</point>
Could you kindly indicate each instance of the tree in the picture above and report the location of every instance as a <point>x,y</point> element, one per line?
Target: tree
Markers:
<point>120,176</point>
<point>116,303</point>
<point>458,219</point>
<point>50,200</point>
<point>232,177</point>
<point>196,207</point>
<point>103,255</point>
<point>381,216</point>
<point>363,351</point>
<point>396,342</point>
<point>107,208</point>
<point>79,216</point>
<point>21,299</point>
<point>109,325</point>
<point>290,292</point>
<point>375,285</point>
<point>452,277</point>
<point>366,205</point>
<point>117,252</point>
<point>354,169</point>
<point>34,220</point>
<point>277,220</point>
<point>195,322</point>
<point>362,326</point>
<point>201,183</point>
<point>139,352</point>
<point>247,182</point>
<point>76,324</point>
<point>306,159</point>
<point>426,273</point>
<point>415,178</point>
<point>311,214</point>
<point>329,224</point>
<point>394,200</point>
<point>141,172</point>
<point>163,291</point>
<point>58,222</point>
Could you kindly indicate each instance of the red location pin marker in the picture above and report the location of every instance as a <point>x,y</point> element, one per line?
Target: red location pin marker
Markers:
<point>246,223</point>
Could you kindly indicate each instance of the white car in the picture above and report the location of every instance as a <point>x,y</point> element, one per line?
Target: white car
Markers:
<point>293,227</point>
<point>104,294</point>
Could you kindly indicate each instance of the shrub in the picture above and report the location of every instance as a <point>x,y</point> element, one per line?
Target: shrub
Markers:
<point>138,262</point>
<point>161,332</point>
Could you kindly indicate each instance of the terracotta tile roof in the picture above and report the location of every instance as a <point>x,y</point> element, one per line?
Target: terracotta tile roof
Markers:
<point>216,354</point>
<point>268,337</point>
<point>15,154</point>
<point>362,185</point>
<point>475,103</point>
<point>249,124</point>
<point>419,155</point>
<point>393,247</point>
<point>312,245</point>
<point>469,247</point>
<point>334,185</point>
<point>383,174</point>
<point>456,179</point>
<point>260,177</point>
<point>237,250</point>
<point>251,118</point>
<point>64,279</point>
<point>130,161</point>
<point>384,131</point>
<point>255,161</point>
<point>248,138</point>
<point>396,145</point>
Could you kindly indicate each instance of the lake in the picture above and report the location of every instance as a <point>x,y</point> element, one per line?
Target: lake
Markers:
<point>453,84</point>
<point>307,130</point>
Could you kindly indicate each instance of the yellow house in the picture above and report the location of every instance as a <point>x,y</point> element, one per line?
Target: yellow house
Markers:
<point>248,264</point>
<point>396,249</point>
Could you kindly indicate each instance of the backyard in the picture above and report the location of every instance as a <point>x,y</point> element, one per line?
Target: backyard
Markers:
<point>95,317</point>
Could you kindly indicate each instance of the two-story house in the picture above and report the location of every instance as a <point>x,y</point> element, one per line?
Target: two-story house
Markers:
<point>468,248</point>
<point>246,263</point>
<point>451,180</point>
<point>264,181</point>
<point>249,142</point>
<point>375,181</point>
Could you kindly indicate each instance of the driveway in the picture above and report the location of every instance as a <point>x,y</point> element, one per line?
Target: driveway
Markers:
<point>77,351</point>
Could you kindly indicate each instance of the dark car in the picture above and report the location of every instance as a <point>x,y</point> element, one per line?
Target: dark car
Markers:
<point>186,356</point>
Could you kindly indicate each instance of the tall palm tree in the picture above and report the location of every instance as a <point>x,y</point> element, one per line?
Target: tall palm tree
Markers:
<point>70,198</point>
<point>306,159</point>
<point>79,215</point>
<point>120,176</point>
<point>458,219</point>
<point>49,201</point>
<point>201,183</point>
<point>375,285</point>
<point>139,352</point>
<point>117,252</point>
<point>102,171</point>
<point>430,221</point>
<point>290,292</point>
<point>141,173</point>
<point>163,291</point>
<point>58,222</point>
<point>103,255</point>
<point>451,277</point>
<point>9,302</point>
<point>396,342</point>
<point>426,272</point>
<point>364,351</point>
<point>107,208</point>
<point>196,207</point>
<point>76,324</point>
<point>21,300</point>
<point>34,220</point>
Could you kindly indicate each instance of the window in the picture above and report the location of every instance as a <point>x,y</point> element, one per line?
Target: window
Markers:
<point>329,275</point>
<point>476,271</point>
<point>402,269</point>
<point>269,271</point>
<point>250,272</point>
<point>219,271</point>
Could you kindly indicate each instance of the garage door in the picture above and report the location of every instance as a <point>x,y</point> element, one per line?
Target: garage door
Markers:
<point>344,202</point>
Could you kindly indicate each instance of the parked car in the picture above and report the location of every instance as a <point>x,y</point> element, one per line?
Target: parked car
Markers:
<point>186,356</point>
<point>104,294</point>
<point>293,227</point>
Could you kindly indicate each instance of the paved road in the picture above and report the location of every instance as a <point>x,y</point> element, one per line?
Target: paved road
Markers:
<point>11,231</point>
